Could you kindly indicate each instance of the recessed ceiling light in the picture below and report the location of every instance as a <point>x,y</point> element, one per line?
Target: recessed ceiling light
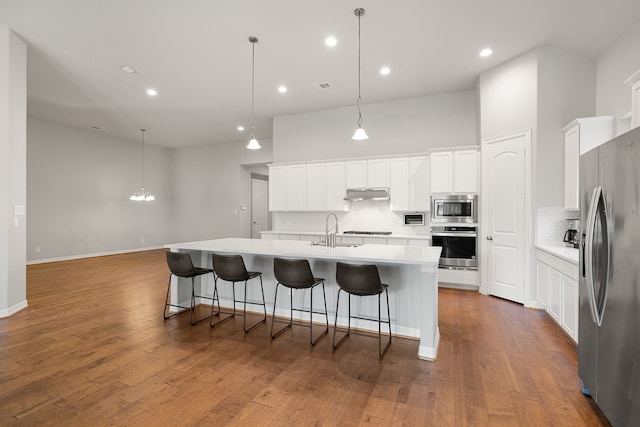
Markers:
<point>331,41</point>
<point>282,89</point>
<point>384,71</point>
<point>128,69</point>
<point>240,128</point>
<point>151,92</point>
<point>485,52</point>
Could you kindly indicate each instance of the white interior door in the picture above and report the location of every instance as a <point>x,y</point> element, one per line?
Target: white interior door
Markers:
<point>505,198</point>
<point>259,206</point>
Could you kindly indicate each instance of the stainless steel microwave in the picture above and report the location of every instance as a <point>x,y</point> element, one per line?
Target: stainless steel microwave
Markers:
<point>454,208</point>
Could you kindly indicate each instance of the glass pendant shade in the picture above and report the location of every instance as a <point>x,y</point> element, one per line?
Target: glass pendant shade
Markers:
<point>360,135</point>
<point>254,144</point>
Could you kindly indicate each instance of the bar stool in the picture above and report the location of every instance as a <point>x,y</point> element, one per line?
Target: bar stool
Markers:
<point>231,268</point>
<point>296,274</point>
<point>361,280</point>
<point>180,265</point>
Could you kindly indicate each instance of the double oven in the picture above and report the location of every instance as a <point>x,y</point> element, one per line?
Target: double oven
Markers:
<point>454,227</point>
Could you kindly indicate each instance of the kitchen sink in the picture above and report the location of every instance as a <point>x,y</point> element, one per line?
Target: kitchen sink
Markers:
<point>338,245</point>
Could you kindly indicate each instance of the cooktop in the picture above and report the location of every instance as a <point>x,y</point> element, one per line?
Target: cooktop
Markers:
<point>385,233</point>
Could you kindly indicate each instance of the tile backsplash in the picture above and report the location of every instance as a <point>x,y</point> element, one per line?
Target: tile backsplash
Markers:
<point>363,216</point>
<point>551,225</point>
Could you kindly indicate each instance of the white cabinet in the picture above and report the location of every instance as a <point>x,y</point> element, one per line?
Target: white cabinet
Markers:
<point>557,290</point>
<point>454,171</point>
<point>316,187</point>
<point>297,188</point>
<point>377,173</point>
<point>409,183</point>
<point>278,188</point>
<point>367,173</point>
<point>356,174</point>
<point>335,186</point>
<point>580,136</point>
<point>570,303</point>
<point>442,172</point>
<point>634,82</point>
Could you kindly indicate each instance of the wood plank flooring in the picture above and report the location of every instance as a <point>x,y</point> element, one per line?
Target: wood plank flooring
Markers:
<point>92,349</point>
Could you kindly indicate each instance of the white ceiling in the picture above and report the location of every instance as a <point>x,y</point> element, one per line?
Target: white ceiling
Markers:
<point>197,55</point>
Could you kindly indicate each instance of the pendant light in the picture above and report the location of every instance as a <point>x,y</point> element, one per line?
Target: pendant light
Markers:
<point>142,196</point>
<point>253,143</point>
<point>360,134</point>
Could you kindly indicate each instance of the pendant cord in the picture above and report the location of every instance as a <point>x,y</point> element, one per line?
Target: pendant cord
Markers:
<point>143,131</point>
<point>359,97</point>
<point>253,70</point>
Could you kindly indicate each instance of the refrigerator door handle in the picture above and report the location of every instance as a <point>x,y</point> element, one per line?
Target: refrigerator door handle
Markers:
<point>597,211</point>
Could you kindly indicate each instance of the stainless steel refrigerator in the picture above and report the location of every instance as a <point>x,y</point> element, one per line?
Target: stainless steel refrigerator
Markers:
<point>609,327</point>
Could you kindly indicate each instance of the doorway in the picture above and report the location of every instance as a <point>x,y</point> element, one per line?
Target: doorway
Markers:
<point>506,215</point>
<point>259,205</point>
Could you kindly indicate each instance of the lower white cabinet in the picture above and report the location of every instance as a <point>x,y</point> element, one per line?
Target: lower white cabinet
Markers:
<point>557,290</point>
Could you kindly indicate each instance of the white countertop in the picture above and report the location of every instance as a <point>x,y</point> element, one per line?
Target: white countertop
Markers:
<point>564,252</point>
<point>414,255</point>
<point>383,236</point>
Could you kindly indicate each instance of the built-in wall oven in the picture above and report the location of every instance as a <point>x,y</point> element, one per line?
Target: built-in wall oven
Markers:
<point>459,245</point>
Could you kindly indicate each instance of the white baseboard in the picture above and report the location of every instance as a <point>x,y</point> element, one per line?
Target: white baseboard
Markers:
<point>72,257</point>
<point>11,310</point>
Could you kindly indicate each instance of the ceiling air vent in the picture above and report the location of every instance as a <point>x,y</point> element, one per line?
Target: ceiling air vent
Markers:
<point>322,85</point>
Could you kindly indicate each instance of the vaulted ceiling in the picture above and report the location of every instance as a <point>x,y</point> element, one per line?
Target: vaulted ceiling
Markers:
<point>196,54</point>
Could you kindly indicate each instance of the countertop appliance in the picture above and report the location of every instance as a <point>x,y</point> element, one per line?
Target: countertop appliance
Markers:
<point>571,236</point>
<point>609,313</point>
<point>454,208</point>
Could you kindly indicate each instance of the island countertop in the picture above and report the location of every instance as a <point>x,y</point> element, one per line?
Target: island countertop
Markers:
<point>410,271</point>
<point>374,253</point>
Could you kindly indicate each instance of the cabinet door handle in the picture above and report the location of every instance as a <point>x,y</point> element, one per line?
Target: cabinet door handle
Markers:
<point>489,237</point>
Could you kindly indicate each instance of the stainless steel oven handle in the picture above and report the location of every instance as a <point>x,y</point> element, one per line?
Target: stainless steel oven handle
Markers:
<point>454,234</point>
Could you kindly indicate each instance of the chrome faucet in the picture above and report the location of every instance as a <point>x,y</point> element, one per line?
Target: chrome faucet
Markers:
<point>330,241</point>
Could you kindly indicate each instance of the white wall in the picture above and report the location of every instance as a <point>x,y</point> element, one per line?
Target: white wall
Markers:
<point>13,167</point>
<point>79,183</point>
<point>398,127</point>
<point>620,61</point>
<point>566,91</point>
<point>210,186</point>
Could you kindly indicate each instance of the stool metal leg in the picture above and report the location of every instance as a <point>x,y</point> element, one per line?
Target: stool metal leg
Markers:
<point>326,331</point>
<point>381,352</point>
<point>167,304</point>
<point>335,328</point>
<point>220,312</point>
<point>273,321</point>
<point>264,305</point>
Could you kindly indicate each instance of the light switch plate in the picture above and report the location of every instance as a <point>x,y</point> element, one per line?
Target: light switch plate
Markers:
<point>18,210</point>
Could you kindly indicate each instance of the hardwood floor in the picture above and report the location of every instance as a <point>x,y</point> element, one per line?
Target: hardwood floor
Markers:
<point>92,349</point>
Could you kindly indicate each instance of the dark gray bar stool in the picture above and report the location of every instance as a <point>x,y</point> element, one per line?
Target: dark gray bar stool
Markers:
<point>231,268</point>
<point>296,274</point>
<point>361,280</point>
<point>180,265</point>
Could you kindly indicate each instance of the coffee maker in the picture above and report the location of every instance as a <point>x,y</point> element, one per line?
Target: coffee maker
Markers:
<point>572,235</point>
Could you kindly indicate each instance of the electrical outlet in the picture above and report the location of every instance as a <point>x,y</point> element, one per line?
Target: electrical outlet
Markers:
<point>37,249</point>
<point>142,240</point>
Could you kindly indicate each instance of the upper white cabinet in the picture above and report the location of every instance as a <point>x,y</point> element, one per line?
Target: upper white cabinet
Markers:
<point>454,171</point>
<point>367,173</point>
<point>634,82</point>
<point>316,187</point>
<point>409,183</point>
<point>278,188</point>
<point>580,136</point>
<point>297,188</point>
<point>377,173</point>
<point>336,186</point>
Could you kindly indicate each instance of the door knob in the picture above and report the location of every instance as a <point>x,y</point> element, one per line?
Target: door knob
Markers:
<point>489,238</point>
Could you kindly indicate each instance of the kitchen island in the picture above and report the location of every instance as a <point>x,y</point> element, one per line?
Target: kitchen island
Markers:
<point>410,271</point>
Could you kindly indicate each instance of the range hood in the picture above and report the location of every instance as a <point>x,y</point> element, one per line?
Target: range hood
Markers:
<point>358,194</point>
